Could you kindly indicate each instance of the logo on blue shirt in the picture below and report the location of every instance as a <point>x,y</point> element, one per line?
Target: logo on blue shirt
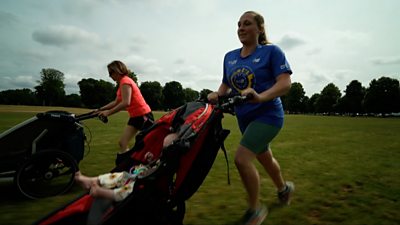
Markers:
<point>232,62</point>
<point>242,78</point>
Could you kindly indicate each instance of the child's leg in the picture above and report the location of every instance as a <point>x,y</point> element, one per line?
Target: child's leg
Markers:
<point>85,181</point>
<point>101,192</point>
<point>113,180</point>
<point>169,139</point>
<point>123,192</point>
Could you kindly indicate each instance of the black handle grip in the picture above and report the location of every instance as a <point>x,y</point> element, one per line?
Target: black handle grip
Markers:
<point>103,119</point>
<point>249,96</point>
<point>91,115</point>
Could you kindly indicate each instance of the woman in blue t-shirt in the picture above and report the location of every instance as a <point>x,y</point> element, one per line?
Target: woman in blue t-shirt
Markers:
<point>261,70</point>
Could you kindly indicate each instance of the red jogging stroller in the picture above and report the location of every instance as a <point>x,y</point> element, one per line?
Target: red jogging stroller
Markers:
<point>159,197</point>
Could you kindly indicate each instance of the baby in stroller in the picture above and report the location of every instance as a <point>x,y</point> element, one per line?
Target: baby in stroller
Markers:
<point>118,185</point>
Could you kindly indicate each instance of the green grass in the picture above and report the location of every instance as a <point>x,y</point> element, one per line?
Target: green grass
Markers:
<point>346,171</point>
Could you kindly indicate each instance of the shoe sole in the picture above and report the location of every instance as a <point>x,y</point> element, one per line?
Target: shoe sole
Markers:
<point>292,188</point>
<point>260,219</point>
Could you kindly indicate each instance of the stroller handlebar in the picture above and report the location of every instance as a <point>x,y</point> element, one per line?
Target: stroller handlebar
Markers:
<point>226,103</point>
<point>235,100</point>
<point>91,115</point>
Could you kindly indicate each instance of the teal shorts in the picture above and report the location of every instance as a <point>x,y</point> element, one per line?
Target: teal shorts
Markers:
<point>258,135</point>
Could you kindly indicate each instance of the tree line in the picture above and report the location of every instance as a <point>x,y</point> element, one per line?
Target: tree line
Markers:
<point>381,97</point>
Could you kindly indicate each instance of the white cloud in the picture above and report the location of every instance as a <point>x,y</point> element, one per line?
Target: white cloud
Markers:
<point>179,61</point>
<point>7,19</point>
<point>71,82</point>
<point>196,77</point>
<point>314,51</point>
<point>351,36</point>
<point>386,60</point>
<point>137,43</point>
<point>81,8</point>
<point>63,36</point>
<point>18,82</point>
<point>147,69</point>
<point>290,41</point>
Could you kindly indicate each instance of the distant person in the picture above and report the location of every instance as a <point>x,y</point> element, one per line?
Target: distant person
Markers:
<point>258,69</point>
<point>130,98</point>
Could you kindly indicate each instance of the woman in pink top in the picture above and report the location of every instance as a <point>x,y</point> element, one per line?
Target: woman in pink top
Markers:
<point>130,98</point>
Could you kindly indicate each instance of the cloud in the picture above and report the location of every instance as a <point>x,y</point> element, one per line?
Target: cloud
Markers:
<point>7,19</point>
<point>71,83</point>
<point>32,55</point>
<point>314,51</point>
<point>63,36</point>
<point>187,72</point>
<point>195,77</point>
<point>80,7</point>
<point>317,78</point>
<point>17,82</point>
<point>349,36</point>
<point>179,61</point>
<point>291,41</point>
<point>386,60</point>
<point>137,43</point>
<point>147,67</point>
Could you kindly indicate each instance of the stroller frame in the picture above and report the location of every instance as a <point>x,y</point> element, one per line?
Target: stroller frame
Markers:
<point>41,154</point>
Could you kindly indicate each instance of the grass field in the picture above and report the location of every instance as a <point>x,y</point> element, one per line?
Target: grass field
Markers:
<point>346,171</point>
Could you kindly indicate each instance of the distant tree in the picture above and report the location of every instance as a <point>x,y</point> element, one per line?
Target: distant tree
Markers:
<point>190,94</point>
<point>152,93</point>
<point>382,96</point>
<point>96,93</point>
<point>18,97</point>
<point>312,103</point>
<point>204,93</point>
<point>306,102</point>
<point>173,95</point>
<point>294,99</point>
<point>73,100</point>
<point>351,102</point>
<point>328,99</point>
<point>50,90</point>
<point>133,76</point>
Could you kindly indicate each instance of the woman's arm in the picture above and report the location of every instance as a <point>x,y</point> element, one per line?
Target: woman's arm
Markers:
<point>281,87</point>
<point>108,106</point>
<point>222,91</point>
<point>126,93</point>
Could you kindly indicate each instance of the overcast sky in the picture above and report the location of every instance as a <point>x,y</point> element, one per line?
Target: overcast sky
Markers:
<point>185,40</point>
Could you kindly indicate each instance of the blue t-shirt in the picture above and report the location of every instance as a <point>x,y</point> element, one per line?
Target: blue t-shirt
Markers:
<point>258,71</point>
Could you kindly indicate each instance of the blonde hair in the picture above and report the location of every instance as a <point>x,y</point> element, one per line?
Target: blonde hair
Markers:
<point>118,67</point>
<point>262,38</point>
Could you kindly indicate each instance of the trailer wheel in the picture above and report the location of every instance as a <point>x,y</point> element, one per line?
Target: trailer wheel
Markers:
<point>47,173</point>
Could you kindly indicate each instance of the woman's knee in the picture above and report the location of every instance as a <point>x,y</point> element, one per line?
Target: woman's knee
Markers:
<point>238,161</point>
<point>243,157</point>
<point>266,156</point>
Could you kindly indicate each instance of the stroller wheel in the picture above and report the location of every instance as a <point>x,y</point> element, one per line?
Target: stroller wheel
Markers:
<point>46,173</point>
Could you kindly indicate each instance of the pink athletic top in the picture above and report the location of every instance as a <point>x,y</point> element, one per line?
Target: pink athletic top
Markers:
<point>138,106</point>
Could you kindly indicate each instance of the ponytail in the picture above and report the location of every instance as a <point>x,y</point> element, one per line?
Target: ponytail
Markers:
<point>262,39</point>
